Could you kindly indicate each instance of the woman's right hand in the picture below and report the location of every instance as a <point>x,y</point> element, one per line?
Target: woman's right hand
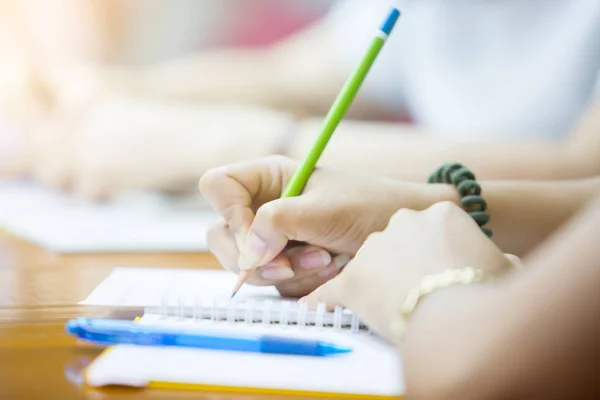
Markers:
<point>301,242</point>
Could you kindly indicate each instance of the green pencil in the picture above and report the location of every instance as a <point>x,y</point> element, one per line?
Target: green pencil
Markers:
<point>296,185</point>
<point>298,181</point>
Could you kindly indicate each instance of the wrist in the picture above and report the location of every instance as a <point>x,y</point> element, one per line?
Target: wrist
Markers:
<point>432,194</point>
<point>426,287</point>
<point>417,196</point>
<point>468,189</point>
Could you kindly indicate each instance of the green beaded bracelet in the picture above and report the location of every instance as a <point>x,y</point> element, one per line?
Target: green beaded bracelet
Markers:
<point>469,190</point>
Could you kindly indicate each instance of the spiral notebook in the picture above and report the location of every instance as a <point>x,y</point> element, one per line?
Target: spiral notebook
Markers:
<point>198,299</point>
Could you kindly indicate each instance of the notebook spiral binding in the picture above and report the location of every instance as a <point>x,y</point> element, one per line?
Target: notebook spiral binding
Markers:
<point>281,312</point>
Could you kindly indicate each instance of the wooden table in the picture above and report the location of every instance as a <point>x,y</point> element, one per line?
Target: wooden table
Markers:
<point>39,291</point>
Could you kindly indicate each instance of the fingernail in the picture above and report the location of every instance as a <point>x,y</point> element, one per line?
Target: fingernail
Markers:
<point>341,260</point>
<point>253,252</point>
<point>277,263</point>
<point>328,271</point>
<point>314,259</point>
<point>277,273</point>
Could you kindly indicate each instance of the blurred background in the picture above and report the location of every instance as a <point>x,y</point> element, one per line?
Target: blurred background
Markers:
<point>142,31</point>
<point>60,158</point>
<point>37,34</point>
<point>48,46</point>
<point>103,98</point>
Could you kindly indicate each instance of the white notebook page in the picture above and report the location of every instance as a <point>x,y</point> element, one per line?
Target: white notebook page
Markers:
<point>372,368</point>
<point>149,287</point>
<point>205,294</point>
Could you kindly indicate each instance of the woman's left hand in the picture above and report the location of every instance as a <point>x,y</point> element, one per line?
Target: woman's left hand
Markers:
<point>375,283</point>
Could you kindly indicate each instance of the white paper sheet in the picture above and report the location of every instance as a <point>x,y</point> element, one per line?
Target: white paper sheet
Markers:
<point>149,287</point>
<point>141,222</point>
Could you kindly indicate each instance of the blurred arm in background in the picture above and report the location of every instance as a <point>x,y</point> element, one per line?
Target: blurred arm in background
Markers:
<point>161,126</point>
<point>395,150</point>
<point>300,74</point>
<point>101,128</point>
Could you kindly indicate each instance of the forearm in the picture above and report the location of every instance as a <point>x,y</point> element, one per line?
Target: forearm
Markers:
<point>524,213</point>
<point>231,74</point>
<point>534,335</point>
<point>408,153</point>
<point>300,74</point>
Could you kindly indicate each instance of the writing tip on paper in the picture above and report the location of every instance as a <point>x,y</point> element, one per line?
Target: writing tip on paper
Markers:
<point>241,279</point>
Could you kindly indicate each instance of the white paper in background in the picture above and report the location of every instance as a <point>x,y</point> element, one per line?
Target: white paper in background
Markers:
<point>147,287</point>
<point>10,139</point>
<point>141,222</point>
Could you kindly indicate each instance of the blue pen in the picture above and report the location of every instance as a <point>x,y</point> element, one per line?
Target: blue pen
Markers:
<point>110,332</point>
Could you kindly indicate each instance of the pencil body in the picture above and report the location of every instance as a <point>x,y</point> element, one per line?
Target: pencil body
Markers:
<point>337,111</point>
<point>336,114</point>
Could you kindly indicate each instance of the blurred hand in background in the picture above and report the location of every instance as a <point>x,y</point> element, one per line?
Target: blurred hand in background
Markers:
<point>97,109</point>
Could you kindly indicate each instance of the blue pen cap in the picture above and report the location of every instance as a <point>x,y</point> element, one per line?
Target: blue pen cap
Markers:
<point>72,327</point>
<point>288,346</point>
<point>283,345</point>
<point>390,21</point>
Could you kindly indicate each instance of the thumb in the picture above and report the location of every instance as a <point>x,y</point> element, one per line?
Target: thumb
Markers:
<point>275,224</point>
<point>329,294</point>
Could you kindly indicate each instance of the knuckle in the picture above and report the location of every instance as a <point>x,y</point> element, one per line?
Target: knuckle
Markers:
<point>279,159</point>
<point>278,164</point>
<point>400,215</point>
<point>445,208</point>
<point>373,239</point>
<point>272,214</point>
<point>210,180</point>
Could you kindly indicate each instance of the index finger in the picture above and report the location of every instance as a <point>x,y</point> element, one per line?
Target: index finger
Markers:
<point>235,191</point>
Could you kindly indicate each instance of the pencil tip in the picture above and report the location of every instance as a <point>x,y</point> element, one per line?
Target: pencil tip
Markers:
<point>241,279</point>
